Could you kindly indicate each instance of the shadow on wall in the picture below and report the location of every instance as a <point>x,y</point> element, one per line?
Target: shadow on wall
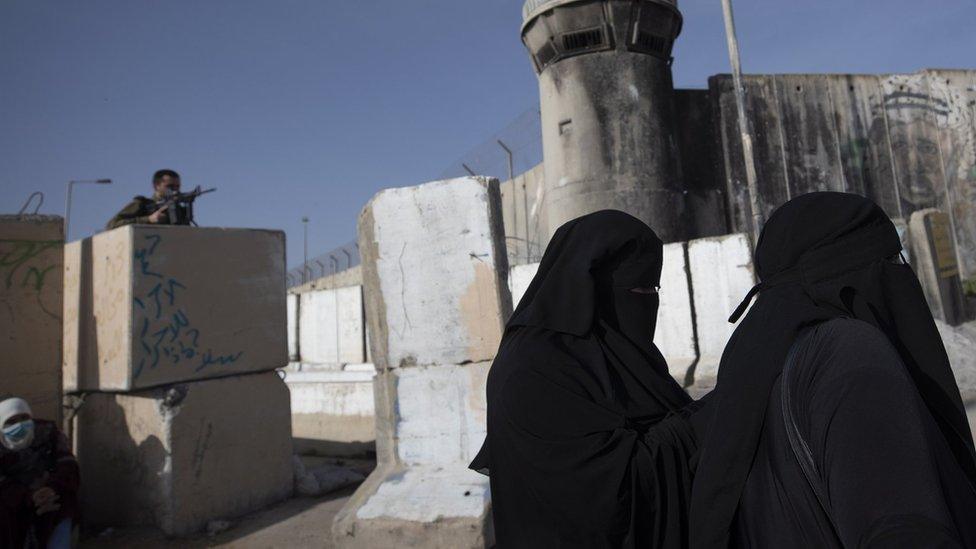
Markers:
<point>109,457</point>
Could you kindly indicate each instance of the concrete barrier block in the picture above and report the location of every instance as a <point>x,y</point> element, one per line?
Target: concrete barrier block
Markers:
<point>934,255</point>
<point>179,456</point>
<point>31,250</point>
<point>150,306</point>
<point>422,490</point>
<point>434,273</point>
<point>721,276</point>
<point>291,312</point>
<point>675,331</point>
<point>519,278</point>
<point>332,412</point>
<point>331,326</point>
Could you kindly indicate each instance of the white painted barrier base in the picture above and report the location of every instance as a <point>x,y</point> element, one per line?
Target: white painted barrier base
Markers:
<point>332,409</point>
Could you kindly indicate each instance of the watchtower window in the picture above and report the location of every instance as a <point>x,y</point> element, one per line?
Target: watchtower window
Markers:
<point>652,43</point>
<point>582,40</point>
<point>545,54</point>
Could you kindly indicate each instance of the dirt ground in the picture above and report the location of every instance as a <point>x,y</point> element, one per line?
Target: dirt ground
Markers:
<point>297,522</point>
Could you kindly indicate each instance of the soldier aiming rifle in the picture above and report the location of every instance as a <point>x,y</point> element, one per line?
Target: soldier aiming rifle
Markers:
<point>167,206</point>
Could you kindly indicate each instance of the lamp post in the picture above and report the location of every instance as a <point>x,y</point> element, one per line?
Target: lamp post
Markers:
<point>305,245</point>
<point>745,134</point>
<point>67,200</point>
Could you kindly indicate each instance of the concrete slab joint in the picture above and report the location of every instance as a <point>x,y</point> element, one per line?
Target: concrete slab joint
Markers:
<point>435,284</point>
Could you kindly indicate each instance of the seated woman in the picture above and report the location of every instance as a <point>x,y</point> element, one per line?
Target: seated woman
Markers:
<point>588,443</point>
<point>38,480</point>
<point>836,420</point>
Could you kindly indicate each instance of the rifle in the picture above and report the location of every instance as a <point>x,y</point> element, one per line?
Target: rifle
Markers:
<point>180,205</point>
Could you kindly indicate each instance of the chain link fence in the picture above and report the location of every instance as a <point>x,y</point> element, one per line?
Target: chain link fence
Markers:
<point>522,137</point>
<point>331,262</point>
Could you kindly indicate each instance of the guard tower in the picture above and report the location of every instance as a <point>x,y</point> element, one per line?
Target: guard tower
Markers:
<point>606,98</point>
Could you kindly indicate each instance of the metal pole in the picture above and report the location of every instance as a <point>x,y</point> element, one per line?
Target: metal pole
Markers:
<point>335,293</point>
<point>67,212</point>
<point>305,245</point>
<point>511,181</point>
<point>67,200</point>
<point>740,106</point>
<point>348,258</point>
<point>467,169</point>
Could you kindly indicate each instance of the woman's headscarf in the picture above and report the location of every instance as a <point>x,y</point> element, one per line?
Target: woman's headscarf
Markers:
<point>820,256</point>
<point>582,425</point>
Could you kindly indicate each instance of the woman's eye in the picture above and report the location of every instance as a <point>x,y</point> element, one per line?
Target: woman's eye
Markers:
<point>646,290</point>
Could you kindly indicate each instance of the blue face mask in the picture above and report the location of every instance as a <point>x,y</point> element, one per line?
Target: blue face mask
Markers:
<point>19,435</point>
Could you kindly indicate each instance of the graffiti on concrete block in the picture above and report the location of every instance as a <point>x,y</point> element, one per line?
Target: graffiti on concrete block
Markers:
<point>166,334</point>
<point>22,264</point>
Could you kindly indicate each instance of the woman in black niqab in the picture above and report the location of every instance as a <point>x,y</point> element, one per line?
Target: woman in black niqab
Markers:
<point>836,420</point>
<point>588,444</point>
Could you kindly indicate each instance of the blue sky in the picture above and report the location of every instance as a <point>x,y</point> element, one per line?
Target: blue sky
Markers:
<point>308,107</point>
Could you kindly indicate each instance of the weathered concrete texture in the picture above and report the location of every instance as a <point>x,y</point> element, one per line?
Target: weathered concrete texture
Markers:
<point>147,306</point>
<point>332,411</point>
<point>423,493</point>
<point>434,268</point>
<point>906,141</point>
<point>721,275</point>
<point>595,157</point>
<point>331,326</point>
<point>675,331</point>
<point>31,249</point>
<point>291,311</point>
<point>177,457</point>
<point>519,278</point>
<point>934,255</point>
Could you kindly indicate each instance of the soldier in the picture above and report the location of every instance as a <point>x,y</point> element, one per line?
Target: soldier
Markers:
<point>142,209</point>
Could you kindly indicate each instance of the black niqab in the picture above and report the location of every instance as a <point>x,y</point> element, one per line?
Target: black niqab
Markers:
<point>584,445</point>
<point>820,256</point>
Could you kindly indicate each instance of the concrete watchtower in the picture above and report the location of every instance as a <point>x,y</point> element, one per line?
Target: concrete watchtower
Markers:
<point>606,97</point>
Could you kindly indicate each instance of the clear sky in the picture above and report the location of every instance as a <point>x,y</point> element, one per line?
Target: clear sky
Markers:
<point>308,107</point>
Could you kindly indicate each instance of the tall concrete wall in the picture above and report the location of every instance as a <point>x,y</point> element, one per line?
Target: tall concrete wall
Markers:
<point>523,211</point>
<point>31,256</point>
<point>906,141</point>
<point>331,327</point>
<point>434,271</point>
<point>332,411</point>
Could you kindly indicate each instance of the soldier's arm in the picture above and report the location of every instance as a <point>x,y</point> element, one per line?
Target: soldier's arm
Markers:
<point>132,213</point>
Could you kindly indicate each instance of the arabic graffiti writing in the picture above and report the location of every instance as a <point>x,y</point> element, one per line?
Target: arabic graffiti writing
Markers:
<point>165,332</point>
<point>22,265</point>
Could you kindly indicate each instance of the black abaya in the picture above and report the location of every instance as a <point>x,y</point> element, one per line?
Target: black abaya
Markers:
<point>588,444</point>
<point>871,449</point>
<point>824,256</point>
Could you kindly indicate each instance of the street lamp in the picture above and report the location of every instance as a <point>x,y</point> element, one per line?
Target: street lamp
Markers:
<point>305,245</point>
<point>67,199</point>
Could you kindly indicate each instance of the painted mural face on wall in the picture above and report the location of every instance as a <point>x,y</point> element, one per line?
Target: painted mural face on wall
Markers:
<point>914,135</point>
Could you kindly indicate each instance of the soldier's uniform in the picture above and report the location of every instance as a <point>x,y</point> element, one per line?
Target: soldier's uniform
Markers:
<point>136,212</point>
